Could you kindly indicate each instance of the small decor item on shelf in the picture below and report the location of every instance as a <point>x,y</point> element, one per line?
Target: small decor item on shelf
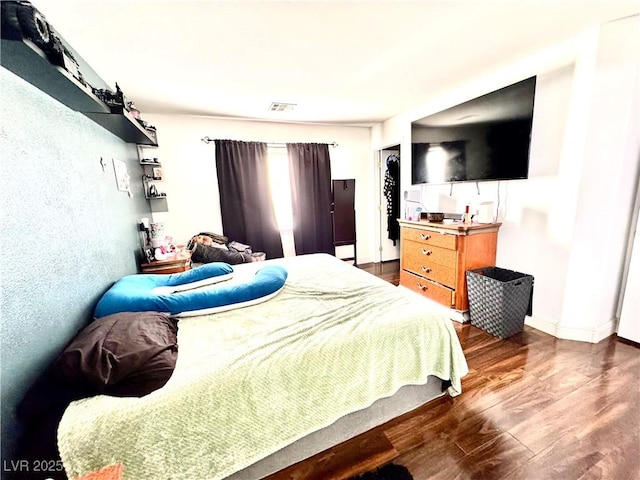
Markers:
<point>435,217</point>
<point>157,173</point>
<point>115,101</point>
<point>21,20</point>
<point>135,113</point>
<point>171,244</point>
<point>146,125</point>
<point>59,55</point>
<point>159,254</point>
<point>155,193</point>
<point>158,237</point>
<point>148,254</point>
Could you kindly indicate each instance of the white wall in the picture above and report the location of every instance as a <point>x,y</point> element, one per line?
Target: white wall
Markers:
<point>584,157</point>
<point>607,186</point>
<point>191,181</point>
<point>566,224</point>
<point>629,326</point>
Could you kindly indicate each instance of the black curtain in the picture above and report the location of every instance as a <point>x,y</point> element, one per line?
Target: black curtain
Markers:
<point>245,199</point>
<point>310,176</point>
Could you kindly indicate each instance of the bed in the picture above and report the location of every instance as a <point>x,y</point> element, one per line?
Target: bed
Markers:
<point>335,353</point>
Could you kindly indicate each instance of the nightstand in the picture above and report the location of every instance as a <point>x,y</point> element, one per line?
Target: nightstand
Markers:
<point>174,263</point>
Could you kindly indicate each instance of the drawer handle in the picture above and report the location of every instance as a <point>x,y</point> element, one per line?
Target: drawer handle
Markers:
<point>425,269</point>
<point>421,287</point>
<point>425,236</point>
<point>426,252</point>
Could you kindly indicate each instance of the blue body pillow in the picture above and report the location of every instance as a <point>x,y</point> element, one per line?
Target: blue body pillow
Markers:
<point>135,293</point>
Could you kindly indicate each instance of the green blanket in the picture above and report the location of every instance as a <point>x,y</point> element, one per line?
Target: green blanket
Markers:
<point>251,381</point>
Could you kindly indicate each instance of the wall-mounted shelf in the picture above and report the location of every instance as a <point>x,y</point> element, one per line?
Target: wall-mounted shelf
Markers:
<point>28,61</point>
<point>150,165</point>
<point>126,127</point>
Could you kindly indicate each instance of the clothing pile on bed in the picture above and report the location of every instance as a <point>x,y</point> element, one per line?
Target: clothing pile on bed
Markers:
<point>209,247</point>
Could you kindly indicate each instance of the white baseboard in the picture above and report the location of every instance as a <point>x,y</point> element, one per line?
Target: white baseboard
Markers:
<point>542,324</point>
<point>366,259</point>
<point>606,330</point>
<point>361,260</point>
<point>572,333</point>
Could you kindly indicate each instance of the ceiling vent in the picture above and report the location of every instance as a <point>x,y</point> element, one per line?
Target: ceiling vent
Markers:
<point>282,107</point>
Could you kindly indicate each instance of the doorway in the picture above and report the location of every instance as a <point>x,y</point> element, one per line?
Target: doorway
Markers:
<point>388,248</point>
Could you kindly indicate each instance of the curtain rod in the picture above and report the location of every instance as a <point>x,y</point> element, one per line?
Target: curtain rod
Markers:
<point>208,140</point>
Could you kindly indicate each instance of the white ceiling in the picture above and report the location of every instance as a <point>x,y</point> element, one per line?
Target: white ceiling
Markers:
<point>347,62</point>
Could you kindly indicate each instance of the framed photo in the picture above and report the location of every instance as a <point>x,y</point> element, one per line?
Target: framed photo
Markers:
<point>157,173</point>
<point>148,254</point>
<point>122,176</point>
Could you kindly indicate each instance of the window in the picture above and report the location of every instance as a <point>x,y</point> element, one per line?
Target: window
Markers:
<point>281,196</point>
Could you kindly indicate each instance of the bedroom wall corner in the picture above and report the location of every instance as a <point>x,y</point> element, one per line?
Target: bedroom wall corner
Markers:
<point>607,185</point>
<point>191,180</point>
<point>581,124</point>
<point>67,232</point>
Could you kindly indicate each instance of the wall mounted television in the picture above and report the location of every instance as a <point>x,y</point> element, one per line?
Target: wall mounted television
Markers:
<point>487,138</point>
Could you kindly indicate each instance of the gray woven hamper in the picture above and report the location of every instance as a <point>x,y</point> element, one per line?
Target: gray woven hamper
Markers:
<point>499,299</point>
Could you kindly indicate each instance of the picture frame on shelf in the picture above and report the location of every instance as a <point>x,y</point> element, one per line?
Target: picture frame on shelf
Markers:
<point>148,254</point>
<point>157,173</point>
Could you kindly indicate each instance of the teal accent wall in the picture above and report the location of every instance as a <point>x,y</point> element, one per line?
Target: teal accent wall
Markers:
<point>66,232</point>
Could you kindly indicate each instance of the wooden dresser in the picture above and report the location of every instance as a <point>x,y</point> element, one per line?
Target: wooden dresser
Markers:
<point>435,256</point>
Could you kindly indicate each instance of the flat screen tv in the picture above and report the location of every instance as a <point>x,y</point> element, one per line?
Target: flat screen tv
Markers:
<point>486,138</point>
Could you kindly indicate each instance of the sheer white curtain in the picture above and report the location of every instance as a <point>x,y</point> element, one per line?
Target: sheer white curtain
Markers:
<point>280,184</point>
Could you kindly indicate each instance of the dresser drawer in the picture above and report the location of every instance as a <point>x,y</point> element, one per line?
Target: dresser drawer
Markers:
<point>435,292</point>
<point>414,253</point>
<point>430,238</point>
<point>423,266</point>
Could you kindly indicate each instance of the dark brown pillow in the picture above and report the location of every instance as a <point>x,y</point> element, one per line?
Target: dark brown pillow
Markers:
<point>127,354</point>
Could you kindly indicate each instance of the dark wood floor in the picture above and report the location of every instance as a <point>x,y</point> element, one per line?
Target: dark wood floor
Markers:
<point>389,271</point>
<point>532,407</point>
